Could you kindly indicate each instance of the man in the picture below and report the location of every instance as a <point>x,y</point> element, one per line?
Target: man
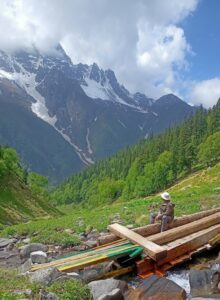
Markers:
<point>166,212</point>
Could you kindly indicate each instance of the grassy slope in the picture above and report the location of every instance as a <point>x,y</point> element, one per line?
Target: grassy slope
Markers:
<point>18,204</point>
<point>199,191</point>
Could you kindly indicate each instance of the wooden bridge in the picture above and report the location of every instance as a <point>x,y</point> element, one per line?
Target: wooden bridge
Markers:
<point>145,249</point>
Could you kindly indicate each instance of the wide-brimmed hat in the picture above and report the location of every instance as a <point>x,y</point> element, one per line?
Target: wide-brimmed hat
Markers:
<point>165,196</point>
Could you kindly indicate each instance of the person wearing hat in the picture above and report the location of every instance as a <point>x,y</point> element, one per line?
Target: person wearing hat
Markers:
<point>165,214</point>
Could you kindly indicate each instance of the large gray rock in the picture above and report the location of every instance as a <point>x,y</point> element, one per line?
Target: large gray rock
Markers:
<point>157,288</point>
<point>104,287</point>
<point>113,295</point>
<point>38,257</point>
<point>25,251</point>
<point>45,276</point>
<point>204,283</point>
<point>25,267</point>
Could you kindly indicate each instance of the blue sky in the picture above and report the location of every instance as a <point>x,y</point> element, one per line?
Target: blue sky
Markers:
<point>202,30</point>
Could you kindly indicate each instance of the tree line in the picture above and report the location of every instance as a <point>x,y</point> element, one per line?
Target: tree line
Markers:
<point>149,166</point>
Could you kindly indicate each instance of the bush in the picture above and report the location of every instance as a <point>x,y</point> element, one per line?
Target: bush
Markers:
<point>70,290</point>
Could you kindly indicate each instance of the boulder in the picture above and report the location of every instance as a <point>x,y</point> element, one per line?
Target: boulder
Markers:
<point>157,288</point>
<point>38,257</point>
<point>204,282</point>
<point>45,276</point>
<point>26,250</point>
<point>116,294</point>
<point>104,287</point>
<point>25,267</point>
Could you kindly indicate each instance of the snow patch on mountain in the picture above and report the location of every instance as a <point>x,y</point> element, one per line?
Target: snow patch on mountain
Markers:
<point>88,142</point>
<point>4,74</point>
<point>83,157</point>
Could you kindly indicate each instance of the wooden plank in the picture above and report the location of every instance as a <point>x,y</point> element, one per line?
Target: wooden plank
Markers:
<point>181,231</point>
<point>150,229</point>
<point>189,243</point>
<point>153,250</point>
<point>81,258</point>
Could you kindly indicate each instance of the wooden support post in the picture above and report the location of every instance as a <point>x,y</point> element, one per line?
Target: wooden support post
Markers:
<point>153,250</point>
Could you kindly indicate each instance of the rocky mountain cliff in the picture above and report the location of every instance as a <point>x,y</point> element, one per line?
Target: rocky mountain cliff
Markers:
<point>62,117</point>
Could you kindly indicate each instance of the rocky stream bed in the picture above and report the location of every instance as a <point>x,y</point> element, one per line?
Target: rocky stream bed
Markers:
<point>197,279</point>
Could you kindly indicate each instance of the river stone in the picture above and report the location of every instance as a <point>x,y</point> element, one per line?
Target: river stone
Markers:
<point>116,294</point>
<point>157,288</point>
<point>38,257</point>
<point>104,287</point>
<point>45,276</point>
<point>203,282</point>
<point>25,251</point>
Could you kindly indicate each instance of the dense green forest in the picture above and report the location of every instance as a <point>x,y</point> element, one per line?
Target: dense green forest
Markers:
<point>23,195</point>
<point>150,166</point>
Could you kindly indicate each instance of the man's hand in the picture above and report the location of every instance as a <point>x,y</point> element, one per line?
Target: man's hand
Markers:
<point>158,217</point>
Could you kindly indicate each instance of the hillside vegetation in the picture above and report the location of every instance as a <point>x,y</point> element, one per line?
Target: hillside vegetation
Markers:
<point>150,166</point>
<point>199,191</point>
<point>21,194</point>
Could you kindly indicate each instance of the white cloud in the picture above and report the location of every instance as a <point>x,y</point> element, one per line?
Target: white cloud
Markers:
<point>140,40</point>
<point>205,92</point>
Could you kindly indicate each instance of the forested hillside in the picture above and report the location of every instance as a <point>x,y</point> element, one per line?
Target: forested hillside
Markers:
<point>21,193</point>
<point>149,166</point>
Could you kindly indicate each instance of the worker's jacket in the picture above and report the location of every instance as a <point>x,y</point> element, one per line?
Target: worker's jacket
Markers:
<point>167,209</point>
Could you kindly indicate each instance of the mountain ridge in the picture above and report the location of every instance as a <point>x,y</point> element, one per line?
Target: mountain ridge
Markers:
<point>85,105</point>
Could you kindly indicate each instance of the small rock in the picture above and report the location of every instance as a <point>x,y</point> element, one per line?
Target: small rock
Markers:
<point>104,287</point>
<point>38,257</point>
<point>26,241</point>
<point>25,251</point>
<point>5,242</point>
<point>45,276</point>
<point>89,275</point>
<point>91,243</point>
<point>116,294</point>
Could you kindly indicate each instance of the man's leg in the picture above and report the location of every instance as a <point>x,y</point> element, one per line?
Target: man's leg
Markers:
<point>152,217</point>
<point>165,222</point>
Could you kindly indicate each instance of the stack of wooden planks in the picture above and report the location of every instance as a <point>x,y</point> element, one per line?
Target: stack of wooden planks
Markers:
<point>160,250</point>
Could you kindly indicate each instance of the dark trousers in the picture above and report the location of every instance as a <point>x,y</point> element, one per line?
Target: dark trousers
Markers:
<point>165,220</point>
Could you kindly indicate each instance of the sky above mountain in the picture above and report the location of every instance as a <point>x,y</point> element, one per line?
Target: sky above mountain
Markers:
<point>156,47</point>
